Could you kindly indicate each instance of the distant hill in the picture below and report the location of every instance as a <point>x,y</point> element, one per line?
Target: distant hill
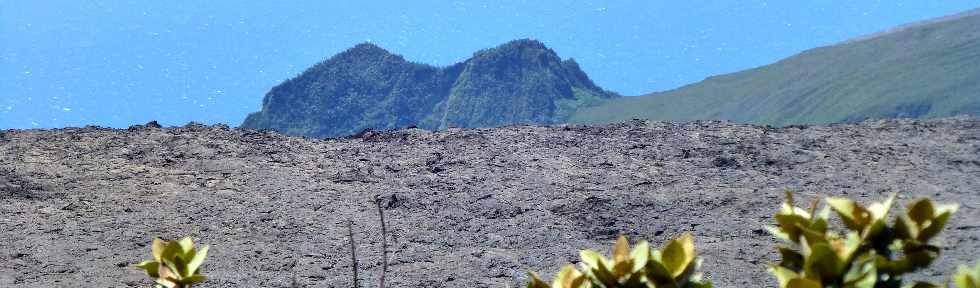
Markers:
<point>922,70</point>
<point>367,87</point>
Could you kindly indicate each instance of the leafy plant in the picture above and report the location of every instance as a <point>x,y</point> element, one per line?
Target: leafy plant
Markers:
<point>968,277</point>
<point>869,253</point>
<point>676,266</point>
<point>175,264</point>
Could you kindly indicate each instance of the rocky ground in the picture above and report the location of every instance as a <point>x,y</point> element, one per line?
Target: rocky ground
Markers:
<point>466,208</point>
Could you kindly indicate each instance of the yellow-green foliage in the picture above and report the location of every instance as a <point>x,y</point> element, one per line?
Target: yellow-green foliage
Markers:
<point>676,266</point>
<point>175,264</point>
<point>869,253</point>
<point>968,277</point>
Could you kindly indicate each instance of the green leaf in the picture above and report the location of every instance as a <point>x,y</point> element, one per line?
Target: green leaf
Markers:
<point>196,260</point>
<point>186,245</point>
<point>803,283</point>
<point>849,246</point>
<point>702,285</point>
<point>689,274</point>
<point>790,225</point>
<point>592,258</point>
<point>853,215</point>
<point>823,263</point>
<point>640,255</point>
<point>568,277</point>
<point>169,270</point>
<point>168,282</point>
<point>789,208</point>
<point>181,266</point>
<point>813,236</point>
<point>157,248</point>
<point>659,274</point>
<point>879,210</point>
<point>171,251</point>
<point>194,279</point>
<point>635,280</point>
<point>678,254</point>
<point>783,275</point>
<point>935,226</point>
<point>819,225</point>
<point>967,278</point>
<point>167,274</point>
<point>922,210</point>
<point>905,228</point>
<point>604,275</point>
<point>862,273</point>
<point>790,258</point>
<point>622,263</point>
<point>920,257</point>
<point>621,250</point>
<point>151,268</point>
<point>780,234</point>
<point>891,267</point>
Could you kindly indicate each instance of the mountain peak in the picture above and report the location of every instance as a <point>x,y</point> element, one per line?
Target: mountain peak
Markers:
<point>521,46</point>
<point>367,46</point>
<point>521,81</point>
<point>365,50</point>
<point>522,51</point>
<point>526,43</point>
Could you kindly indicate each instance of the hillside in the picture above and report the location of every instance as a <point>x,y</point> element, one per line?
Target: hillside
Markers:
<point>924,70</point>
<point>366,87</point>
<point>465,207</point>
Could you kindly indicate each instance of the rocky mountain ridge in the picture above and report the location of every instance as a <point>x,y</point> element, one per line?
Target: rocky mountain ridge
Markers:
<point>367,87</point>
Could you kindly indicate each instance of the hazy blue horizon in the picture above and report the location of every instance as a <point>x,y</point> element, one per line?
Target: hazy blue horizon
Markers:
<point>117,63</point>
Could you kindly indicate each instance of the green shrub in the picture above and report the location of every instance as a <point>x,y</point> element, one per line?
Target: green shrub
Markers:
<point>676,266</point>
<point>869,253</point>
<point>175,264</point>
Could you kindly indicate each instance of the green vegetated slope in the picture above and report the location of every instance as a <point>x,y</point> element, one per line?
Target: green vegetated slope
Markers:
<point>367,87</point>
<point>931,69</point>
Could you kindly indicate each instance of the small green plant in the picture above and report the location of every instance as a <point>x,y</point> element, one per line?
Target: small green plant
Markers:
<point>676,266</point>
<point>968,277</point>
<point>175,264</point>
<point>868,254</point>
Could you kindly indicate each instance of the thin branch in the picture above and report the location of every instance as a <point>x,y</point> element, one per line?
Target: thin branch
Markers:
<point>384,242</point>
<point>294,283</point>
<point>353,250</point>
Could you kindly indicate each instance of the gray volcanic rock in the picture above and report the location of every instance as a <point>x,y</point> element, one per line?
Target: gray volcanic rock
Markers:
<point>466,208</point>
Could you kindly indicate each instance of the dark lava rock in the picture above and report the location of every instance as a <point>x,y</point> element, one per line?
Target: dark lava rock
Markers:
<point>465,208</point>
<point>149,125</point>
<point>724,162</point>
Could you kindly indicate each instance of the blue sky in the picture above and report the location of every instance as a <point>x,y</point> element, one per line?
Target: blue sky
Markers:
<point>118,63</point>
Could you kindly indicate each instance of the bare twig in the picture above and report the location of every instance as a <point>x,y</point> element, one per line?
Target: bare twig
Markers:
<point>293,283</point>
<point>353,250</point>
<point>384,241</point>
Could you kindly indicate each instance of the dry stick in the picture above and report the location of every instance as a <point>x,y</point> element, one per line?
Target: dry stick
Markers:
<point>384,242</point>
<point>353,250</point>
<point>294,283</point>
